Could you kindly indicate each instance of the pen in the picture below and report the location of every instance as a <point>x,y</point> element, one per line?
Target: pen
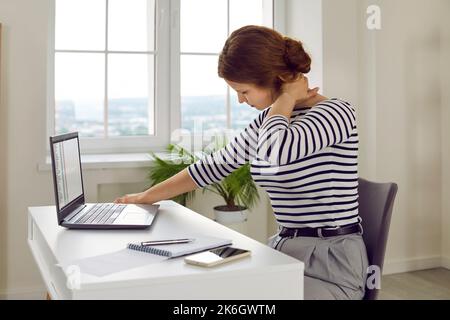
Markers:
<point>171,241</point>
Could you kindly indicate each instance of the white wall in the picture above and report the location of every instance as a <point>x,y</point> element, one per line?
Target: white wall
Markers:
<point>23,133</point>
<point>445,125</point>
<point>304,23</point>
<point>340,54</point>
<point>409,104</point>
<point>3,184</point>
<point>395,78</point>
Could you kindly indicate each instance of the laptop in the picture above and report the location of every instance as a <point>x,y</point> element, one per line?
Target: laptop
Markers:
<point>72,211</point>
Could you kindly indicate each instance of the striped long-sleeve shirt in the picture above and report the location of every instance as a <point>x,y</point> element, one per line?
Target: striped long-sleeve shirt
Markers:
<point>307,164</point>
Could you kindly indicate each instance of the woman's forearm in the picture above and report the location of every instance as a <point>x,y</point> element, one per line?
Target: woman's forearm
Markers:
<point>172,187</point>
<point>282,106</point>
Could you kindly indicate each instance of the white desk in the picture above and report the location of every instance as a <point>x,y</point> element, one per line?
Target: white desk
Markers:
<point>267,274</point>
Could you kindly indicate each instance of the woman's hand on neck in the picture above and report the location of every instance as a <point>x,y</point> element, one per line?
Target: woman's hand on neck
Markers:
<point>311,102</point>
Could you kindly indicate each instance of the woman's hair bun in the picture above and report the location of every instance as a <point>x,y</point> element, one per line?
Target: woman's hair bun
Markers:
<point>295,56</point>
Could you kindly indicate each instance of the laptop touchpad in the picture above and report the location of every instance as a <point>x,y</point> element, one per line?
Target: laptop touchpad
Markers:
<point>135,216</point>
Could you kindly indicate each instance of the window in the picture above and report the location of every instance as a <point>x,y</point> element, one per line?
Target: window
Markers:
<point>104,67</point>
<point>127,74</point>
<point>206,101</point>
<point>106,58</point>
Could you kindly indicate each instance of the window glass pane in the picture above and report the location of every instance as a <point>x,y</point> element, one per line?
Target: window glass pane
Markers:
<point>241,114</point>
<point>246,12</point>
<point>130,94</point>
<point>203,94</point>
<point>203,25</point>
<point>243,13</point>
<point>131,25</point>
<point>79,93</point>
<point>80,24</point>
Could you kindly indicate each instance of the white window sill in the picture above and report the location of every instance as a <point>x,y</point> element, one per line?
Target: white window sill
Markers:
<point>111,161</point>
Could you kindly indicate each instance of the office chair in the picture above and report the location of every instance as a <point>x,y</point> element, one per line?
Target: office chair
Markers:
<point>376,201</point>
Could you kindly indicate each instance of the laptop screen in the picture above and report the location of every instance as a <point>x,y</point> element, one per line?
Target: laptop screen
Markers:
<point>67,171</point>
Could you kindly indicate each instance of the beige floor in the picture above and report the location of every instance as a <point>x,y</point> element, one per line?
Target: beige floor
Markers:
<point>431,284</point>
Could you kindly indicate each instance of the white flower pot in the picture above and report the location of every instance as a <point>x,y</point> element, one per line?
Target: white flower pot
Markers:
<point>230,217</point>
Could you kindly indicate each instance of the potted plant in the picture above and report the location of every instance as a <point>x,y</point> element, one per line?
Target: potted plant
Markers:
<point>238,190</point>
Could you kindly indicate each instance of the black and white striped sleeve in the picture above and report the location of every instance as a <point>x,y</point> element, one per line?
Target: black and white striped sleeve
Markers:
<point>329,123</point>
<point>241,150</point>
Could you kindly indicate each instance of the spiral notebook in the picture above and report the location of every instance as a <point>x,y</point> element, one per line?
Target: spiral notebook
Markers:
<point>201,243</point>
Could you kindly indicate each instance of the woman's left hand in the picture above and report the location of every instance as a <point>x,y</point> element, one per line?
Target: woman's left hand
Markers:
<point>299,89</point>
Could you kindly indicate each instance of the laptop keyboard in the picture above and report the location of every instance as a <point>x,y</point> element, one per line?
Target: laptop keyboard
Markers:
<point>102,213</point>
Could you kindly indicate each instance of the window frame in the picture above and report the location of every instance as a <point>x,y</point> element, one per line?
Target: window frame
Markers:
<point>124,144</point>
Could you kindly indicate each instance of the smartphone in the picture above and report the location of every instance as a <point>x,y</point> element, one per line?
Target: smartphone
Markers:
<point>216,256</point>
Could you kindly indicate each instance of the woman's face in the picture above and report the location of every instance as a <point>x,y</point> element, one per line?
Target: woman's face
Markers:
<point>254,96</point>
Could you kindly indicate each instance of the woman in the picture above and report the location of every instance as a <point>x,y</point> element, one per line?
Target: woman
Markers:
<point>303,151</point>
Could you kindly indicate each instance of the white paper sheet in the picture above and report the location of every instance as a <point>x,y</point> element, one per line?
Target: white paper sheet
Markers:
<point>113,262</point>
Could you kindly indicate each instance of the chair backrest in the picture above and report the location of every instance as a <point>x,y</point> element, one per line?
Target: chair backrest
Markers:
<point>376,201</point>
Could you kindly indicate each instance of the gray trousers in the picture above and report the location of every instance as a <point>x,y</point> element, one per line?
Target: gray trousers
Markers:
<point>335,267</point>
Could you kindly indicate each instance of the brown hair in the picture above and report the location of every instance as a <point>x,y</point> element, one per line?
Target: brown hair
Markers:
<point>258,55</point>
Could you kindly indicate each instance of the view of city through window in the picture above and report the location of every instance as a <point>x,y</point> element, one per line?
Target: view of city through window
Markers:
<point>129,117</point>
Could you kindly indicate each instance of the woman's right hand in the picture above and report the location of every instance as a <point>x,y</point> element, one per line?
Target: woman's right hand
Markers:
<point>133,198</point>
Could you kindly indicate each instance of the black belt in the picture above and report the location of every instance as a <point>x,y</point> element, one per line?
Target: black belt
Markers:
<point>323,232</point>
